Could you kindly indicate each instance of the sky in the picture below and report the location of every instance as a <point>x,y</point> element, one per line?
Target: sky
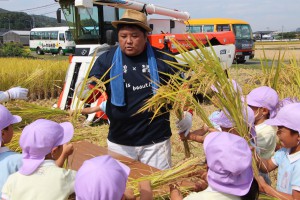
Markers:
<point>263,15</point>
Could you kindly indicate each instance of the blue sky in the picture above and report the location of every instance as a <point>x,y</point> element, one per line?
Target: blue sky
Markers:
<point>276,15</point>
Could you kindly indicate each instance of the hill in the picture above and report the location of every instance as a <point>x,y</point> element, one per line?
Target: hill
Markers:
<point>22,21</point>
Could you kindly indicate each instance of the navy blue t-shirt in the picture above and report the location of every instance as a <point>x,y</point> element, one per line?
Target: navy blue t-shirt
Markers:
<point>126,126</point>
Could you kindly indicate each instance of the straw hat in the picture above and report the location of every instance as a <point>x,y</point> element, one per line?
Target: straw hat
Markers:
<point>133,17</point>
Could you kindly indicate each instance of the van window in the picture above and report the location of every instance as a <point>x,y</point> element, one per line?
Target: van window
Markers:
<point>194,29</point>
<point>208,28</point>
<point>223,27</point>
<point>62,36</point>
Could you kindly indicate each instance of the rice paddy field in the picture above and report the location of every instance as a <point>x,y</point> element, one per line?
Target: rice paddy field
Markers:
<point>44,77</point>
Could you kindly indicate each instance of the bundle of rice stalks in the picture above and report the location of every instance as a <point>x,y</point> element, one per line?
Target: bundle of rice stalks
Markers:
<point>178,173</point>
<point>263,196</point>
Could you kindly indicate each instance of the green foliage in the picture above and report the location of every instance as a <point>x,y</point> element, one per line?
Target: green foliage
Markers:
<point>13,49</point>
<point>287,35</point>
<point>23,21</point>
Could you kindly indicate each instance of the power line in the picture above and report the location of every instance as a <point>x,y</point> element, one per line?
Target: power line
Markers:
<point>45,6</point>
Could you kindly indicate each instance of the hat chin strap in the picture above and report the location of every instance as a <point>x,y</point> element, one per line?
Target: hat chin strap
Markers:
<point>144,10</point>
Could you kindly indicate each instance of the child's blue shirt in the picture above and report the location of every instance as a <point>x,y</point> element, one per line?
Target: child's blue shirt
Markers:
<point>10,162</point>
<point>213,115</point>
<point>288,178</point>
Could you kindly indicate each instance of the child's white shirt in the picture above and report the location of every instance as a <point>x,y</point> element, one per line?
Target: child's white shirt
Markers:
<point>266,139</point>
<point>48,182</point>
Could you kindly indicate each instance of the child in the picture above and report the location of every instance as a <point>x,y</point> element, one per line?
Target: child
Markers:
<point>10,161</point>
<point>287,159</point>
<point>198,135</point>
<point>13,93</point>
<point>104,178</point>
<point>216,103</point>
<point>230,174</point>
<point>225,124</point>
<point>39,177</point>
<point>263,101</point>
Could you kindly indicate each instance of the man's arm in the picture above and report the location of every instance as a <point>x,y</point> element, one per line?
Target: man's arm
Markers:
<point>13,93</point>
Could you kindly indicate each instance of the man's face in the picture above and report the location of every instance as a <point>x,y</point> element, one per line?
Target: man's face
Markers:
<point>132,40</point>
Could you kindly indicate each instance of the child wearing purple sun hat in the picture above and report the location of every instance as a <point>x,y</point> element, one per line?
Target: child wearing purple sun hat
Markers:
<point>10,161</point>
<point>264,101</point>
<point>230,174</point>
<point>39,176</point>
<point>101,178</point>
<point>104,178</point>
<point>287,159</point>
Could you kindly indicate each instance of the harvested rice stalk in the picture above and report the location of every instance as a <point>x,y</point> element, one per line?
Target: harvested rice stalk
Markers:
<point>170,176</point>
<point>263,196</point>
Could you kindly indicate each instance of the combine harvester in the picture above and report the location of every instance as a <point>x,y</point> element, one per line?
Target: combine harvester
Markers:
<point>90,24</point>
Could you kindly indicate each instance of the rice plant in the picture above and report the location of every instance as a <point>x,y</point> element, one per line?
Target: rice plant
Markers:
<point>43,78</point>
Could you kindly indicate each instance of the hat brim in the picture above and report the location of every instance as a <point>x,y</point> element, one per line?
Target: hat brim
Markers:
<point>274,122</point>
<point>238,187</point>
<point>30,165</point>
<point>137,23</point>
<point>222,120</point>
<point>251,102</point>
<point>68,132</point>
<point>16,119</point>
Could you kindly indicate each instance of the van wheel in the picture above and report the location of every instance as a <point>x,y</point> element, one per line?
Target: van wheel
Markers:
<point>60,52</point>
<point>39,51</point>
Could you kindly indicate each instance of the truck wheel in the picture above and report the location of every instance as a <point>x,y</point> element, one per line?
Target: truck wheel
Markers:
<point>39,51</point>
<point>240,61</point>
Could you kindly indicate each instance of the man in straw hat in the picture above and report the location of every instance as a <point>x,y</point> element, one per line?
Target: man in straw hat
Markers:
<point>135,69</point>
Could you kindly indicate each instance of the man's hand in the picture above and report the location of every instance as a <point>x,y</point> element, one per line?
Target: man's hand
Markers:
<point>185,124</point>
<point>17,93</point>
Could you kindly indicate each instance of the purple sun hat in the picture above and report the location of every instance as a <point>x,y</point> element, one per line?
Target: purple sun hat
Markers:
<point>288,116</point>
<point>38,139</point>
<point>264,97</point>
<point>286,101</point>
<point>223,120</point>
<point>101,178</point>
<point>6,119</point>
<point>226,173</point>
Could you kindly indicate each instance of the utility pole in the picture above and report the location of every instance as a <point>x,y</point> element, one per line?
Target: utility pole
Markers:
<point>33,21</point>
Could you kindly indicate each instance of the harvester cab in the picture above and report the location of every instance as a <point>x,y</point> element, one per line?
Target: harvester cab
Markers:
<point>90,24</point>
